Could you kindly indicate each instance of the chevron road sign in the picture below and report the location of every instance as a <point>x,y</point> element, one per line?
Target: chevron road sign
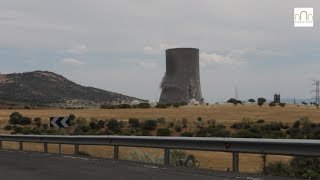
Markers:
<point>60,122</point>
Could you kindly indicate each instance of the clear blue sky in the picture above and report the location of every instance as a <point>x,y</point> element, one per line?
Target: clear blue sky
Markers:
<point>119,45</point>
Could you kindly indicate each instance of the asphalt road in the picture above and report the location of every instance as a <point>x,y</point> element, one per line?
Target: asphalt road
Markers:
<point>15,165</point>
<point>21,165</point>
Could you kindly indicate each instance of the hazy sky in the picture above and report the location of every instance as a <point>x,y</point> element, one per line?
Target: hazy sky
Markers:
<point>119,45</point>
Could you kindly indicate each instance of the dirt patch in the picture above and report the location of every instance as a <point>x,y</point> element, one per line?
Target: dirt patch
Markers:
<point>3,78</point>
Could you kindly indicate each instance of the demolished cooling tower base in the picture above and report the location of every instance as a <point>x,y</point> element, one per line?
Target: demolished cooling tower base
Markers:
<point>181,82</point>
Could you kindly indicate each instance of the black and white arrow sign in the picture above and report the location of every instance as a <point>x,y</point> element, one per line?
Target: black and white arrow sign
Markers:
<point>60,122</point>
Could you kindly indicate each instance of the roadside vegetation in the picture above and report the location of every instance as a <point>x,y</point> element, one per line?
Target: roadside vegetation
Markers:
<point>303,128</point>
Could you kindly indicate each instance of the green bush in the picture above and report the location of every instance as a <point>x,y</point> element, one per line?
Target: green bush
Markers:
<point>296,124</point>
<point>211,122</point>
<point>161,106</point>
<point>251,101</point>
<point>278,169</point>
<point>260,103</point>
<point>163,132</point>
<point>124,106</point>
<point>93,125</point>
<point>143,105</point>
<point>108,106</point>
<point>72,117</point>
<point>138,155</point>
<point>37,121</point>
<point>244,124</point>
<point>145,133</point>
<point>17,118</point>
<point>261,99</point>
<point>17,129</point>
<point>134,122</point>
<point>109,132</point>
<point>232,101</point>
<point>315,133</point>
<point>8,127</point>
<point>170,124</point>
<point>114,125</point>
<point>14,120</point>
<point>285,126</point>
<point>260,121</point>
<point>36,130</point>
<point>161,120</point>
<point>294,133</point>
<point>91,132</point>
<point>150,124</point>
<point>282,104</point>
<point>306,167</point>
<point>176,105</point>
<point>83,153</point>
<point>81,121</point>
<point>45,126</point>
<point>178,127</point>
<point>236,126</point>
<point>177,158</point>
<point>258,130</point>
<point>273,126</point>
<point>186,134</point>
<point>81,129</point>
<point>101,124</point>
<point>184,123</point>
<point>25,121</point>
<point>121,124</point>
<point>199,124</point>
<point>219,126</point>
<point>272,104</point>
<point>26,130</point>
<point>246,133</point>
<point>213,132</point>
<point>16,114</point>
<point>183,159</point>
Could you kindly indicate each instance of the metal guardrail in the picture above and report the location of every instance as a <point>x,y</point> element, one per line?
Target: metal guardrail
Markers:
<point>291,147</point>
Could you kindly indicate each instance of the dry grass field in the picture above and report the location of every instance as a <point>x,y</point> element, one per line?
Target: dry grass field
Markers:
<point>225,114</point>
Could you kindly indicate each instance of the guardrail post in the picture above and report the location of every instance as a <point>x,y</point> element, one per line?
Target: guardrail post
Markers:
<point>167,156</point>
<point>235,162</point>
<point>76,149</point>
<point>116,152</point>
<point>45,147</point>
<point>59,149</point>
<point>21,146</point>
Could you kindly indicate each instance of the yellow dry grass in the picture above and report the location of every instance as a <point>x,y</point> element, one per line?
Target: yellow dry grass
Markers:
<point>226,114</point>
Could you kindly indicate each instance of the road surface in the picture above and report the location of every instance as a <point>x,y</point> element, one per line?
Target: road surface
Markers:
<point>17,165</point>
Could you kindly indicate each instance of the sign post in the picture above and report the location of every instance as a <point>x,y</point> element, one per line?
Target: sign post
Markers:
<point>60,122</point>
<point>59,143</point>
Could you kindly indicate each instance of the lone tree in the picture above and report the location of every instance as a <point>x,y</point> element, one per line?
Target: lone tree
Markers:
<point>234,101</point>
<point>251,101</point>
<point>261,101</point>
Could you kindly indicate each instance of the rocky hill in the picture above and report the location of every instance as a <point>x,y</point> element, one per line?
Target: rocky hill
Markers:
<point>43,88</point>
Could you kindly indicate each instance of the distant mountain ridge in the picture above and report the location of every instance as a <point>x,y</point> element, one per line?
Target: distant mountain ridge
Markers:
<point>44,88</point>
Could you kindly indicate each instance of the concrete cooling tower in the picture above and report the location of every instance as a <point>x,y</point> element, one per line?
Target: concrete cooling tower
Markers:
<point>181,82</point>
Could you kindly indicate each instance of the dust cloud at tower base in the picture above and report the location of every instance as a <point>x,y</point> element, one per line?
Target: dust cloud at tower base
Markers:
<point>181,82</point>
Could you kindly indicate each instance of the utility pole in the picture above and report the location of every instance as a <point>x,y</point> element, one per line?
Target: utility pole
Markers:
<point>236,93</point>
<point>317,91</point>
